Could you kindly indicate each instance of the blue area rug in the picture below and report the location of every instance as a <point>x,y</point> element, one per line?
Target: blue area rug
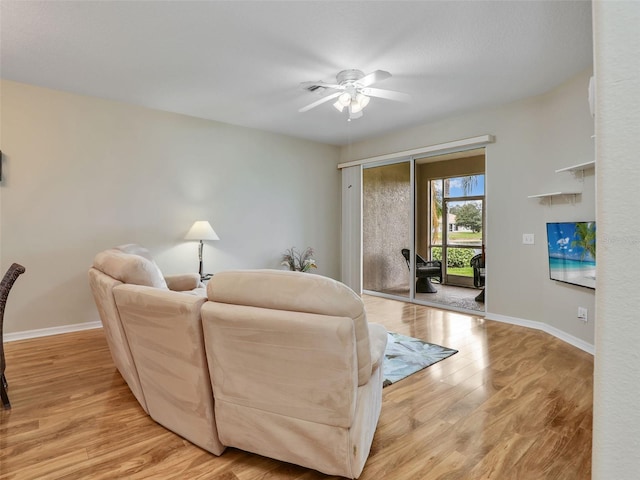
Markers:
<point>406,355</point>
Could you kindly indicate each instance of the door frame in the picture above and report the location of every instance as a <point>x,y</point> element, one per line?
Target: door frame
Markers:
<point>351,252</point>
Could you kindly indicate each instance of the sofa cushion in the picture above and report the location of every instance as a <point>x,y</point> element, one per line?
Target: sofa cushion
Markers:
<point>130,264</point>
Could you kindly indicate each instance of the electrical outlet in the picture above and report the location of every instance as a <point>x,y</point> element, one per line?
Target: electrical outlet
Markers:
<point>583,314</point>
<point>528,239</point>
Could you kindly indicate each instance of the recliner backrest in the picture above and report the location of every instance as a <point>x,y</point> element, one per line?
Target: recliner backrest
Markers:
<point>164,334</point>
<point>102,286</point>
<point>296,292</point>
<point>132,264</point>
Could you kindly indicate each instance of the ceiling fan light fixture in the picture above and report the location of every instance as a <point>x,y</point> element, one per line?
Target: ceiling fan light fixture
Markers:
<point>359,102</point>
<point>362,100</point>
<point>345,99</point>
<point>353,113</point>
<point>352,91</point>
<point>355,107</point>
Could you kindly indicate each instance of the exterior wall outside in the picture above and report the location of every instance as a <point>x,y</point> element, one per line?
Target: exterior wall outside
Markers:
<point>386,228</point>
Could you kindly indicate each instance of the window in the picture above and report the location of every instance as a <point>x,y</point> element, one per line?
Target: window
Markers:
<point>457,224</point>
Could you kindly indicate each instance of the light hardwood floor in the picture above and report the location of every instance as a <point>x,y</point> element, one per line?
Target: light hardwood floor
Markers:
<point>513,404</point>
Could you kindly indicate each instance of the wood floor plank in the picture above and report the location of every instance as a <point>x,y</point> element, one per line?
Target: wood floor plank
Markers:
<point>513,403</point>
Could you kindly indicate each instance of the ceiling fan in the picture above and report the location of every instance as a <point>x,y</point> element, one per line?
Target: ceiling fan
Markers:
<point>352,91</point>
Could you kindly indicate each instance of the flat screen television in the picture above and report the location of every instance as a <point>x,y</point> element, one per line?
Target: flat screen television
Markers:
<point>572,252</point>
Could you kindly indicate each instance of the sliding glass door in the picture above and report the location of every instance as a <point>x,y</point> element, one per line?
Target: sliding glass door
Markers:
<point>422,223</point>
<point>386,228</point>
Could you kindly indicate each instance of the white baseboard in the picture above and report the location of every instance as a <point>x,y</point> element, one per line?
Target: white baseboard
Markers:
<point>556,332</point>
<point>45,332</point>
<point>565,337</point>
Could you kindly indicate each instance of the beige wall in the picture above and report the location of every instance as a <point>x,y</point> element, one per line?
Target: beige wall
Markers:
<point>534,137</point>
<point>616,427</point>
<point>83,174</point>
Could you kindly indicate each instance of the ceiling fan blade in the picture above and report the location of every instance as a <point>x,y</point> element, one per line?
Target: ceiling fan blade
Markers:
<point>309,85</point>
<point>373,77</point>
<point>320,102</point>
<point>388,94</point>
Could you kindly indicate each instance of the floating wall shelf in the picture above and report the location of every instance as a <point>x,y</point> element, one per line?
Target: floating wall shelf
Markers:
<point>551,195</point>
<point>575,169</point>
<point>578,168</point>
<point>554,194</point>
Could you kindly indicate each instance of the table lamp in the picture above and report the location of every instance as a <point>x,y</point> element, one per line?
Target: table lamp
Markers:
<point>201,230</point>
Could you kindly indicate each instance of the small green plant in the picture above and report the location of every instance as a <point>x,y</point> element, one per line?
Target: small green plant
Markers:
<point>456,257</point>
<point>299,261</point>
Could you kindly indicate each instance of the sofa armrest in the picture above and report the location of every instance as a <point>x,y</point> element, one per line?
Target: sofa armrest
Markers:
<point>377,343</point>
<point>183,282</point>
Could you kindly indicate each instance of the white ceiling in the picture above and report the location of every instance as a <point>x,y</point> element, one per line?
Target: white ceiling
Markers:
<point>241,62</point>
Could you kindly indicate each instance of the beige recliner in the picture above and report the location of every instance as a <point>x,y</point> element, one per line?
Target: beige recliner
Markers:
<point>154,332</point>
<point>295,367</point>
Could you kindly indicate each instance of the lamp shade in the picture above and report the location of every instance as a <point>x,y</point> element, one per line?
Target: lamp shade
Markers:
<point>201,230</point>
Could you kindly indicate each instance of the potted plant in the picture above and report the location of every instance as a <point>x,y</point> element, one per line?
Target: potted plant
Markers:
<point>299,261</point>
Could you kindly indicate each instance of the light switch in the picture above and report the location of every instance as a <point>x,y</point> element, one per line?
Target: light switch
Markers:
<point>528,238</point>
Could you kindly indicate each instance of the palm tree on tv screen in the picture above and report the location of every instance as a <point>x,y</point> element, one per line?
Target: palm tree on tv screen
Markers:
<point>585,239</point>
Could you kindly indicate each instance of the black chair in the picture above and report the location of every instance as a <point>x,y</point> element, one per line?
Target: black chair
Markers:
<point>425,271</point>
<point>9,279</point>
<point>477,263</point>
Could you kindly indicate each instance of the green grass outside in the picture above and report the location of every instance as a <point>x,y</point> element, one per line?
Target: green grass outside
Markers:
<point>462,271</point>
<point>466,236</point>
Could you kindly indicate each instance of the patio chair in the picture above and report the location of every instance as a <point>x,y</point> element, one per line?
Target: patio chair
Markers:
<point>425,271</point>
<point>477,263</point>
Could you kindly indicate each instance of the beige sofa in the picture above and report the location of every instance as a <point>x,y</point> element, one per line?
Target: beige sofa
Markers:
<point>153,329</point>
<point>283,364</point>
<point>296,368</point>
